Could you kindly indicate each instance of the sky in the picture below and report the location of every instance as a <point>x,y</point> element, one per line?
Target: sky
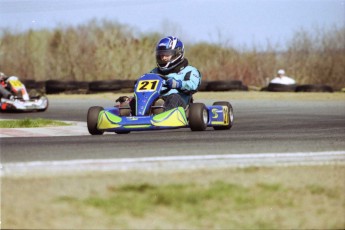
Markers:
<point>236,22</point>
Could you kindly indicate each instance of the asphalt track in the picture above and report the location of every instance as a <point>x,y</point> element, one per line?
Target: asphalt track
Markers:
<point>261,126</point>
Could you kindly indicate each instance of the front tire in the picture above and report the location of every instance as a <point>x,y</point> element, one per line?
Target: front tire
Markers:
<point>198,117</point>
<point>92,120</point>
<point>230,115</point>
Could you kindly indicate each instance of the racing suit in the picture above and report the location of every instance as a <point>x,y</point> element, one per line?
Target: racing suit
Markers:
<point>191,79</point>
<point>3,91</point>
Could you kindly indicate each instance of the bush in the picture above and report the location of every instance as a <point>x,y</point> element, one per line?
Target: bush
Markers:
<point>104,50</point>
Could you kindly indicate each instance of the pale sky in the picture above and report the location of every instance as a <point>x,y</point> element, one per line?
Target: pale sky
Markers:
<point>239,22</point>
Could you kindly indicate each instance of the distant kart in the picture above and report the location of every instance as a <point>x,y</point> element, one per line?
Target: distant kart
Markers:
<point>22,100</point>
<point>150,115</point>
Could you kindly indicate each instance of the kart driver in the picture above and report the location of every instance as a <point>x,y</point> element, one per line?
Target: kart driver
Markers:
<point>3,91</point>
<point>183,79</point>
<point>282,79</point>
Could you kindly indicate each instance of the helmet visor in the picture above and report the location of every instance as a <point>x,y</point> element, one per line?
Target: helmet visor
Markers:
<point>165,56</point>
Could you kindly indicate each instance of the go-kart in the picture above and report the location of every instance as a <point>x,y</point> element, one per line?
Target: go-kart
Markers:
<point>22,101</point>
<point>147,91</point>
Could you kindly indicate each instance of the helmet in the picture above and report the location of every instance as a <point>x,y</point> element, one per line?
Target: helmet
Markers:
<point>2,76</point>
<point>281,72</point>
<point>173,49</point>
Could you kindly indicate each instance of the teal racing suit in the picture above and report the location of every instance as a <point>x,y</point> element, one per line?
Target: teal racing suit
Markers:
<point>191,79</point>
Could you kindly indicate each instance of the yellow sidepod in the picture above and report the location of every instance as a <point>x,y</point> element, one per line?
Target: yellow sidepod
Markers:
<point>107,120</point>
<point>171,118</point>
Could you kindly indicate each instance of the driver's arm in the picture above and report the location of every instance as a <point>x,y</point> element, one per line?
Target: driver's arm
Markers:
<point>191,80</point>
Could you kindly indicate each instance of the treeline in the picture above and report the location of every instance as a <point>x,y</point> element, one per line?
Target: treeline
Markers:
<point>104,50</point>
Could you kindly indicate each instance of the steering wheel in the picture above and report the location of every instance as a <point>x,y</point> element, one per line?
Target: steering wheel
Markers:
<point>163,76</point>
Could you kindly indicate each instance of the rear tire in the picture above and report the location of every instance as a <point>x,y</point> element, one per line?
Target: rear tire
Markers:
<point>92,120</point>
<point>230,115</point>
<point>198,117</point>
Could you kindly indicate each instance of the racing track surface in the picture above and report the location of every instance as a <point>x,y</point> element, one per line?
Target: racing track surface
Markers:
<point>261,126</point>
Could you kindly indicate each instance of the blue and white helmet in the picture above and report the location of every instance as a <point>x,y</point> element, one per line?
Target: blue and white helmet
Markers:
<point>169,46</point>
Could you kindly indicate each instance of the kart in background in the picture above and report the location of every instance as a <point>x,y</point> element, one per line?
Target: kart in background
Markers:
<point>147,91</point>
<point>22,101</point>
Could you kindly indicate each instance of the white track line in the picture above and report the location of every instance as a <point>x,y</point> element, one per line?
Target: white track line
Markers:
<point>174,162</point>
<point>75,129</point>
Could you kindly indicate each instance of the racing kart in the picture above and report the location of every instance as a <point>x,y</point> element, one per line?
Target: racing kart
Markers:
<point>22,101</point>
<point>147,92</point>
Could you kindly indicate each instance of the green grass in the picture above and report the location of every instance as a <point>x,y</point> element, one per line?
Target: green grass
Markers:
<point>202,203</point>
<point>294,197</point>
<point>31,123</point>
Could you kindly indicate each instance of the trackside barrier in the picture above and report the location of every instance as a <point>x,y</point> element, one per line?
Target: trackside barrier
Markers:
<point>85,87</point>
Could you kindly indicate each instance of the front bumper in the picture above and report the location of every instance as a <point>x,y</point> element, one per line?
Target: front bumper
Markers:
<point>110,122</point>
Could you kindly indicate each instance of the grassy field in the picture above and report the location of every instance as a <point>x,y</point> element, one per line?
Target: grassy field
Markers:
<point>294,197</point>
<point>30,123</point>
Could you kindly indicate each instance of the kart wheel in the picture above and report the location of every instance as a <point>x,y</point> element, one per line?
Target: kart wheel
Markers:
<point>230,115</point>
<point>92,120</point>
<point>198,117</point>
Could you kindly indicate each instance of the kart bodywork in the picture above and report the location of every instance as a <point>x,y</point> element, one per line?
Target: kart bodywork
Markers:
<point>147,91</point>
<point>22,101</point>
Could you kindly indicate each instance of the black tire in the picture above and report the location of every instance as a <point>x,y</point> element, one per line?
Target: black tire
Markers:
<point>41,86</point>
<point>234,85</point>
<point>92,120</point>
<point>105,86</point>
<point>273,87</point>
<point>56,86</point>
<point>230,115</point>
<point>128,83</point>
<point>29,84</point>
<point>314,88</point>
<point>203,86</point>
<point>82,87</point>
<point>198,117</point>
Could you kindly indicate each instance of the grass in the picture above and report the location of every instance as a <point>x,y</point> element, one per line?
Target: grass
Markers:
<point>188,199</point>
<point>311,197</point>
<point>30,123</point>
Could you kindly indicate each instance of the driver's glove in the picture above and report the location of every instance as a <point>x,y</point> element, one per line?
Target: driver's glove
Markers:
<point>174,84</point>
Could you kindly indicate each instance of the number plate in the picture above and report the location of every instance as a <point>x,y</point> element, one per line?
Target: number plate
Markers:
<point>147,85</point>
<point>16,84</point>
